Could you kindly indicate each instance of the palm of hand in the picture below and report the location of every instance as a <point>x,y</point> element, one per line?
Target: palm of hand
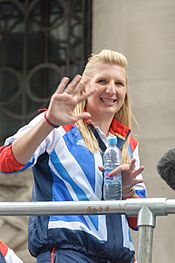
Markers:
<point>66,98</point>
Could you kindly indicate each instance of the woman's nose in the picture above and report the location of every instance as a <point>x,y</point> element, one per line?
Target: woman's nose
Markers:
<point>111,88</point>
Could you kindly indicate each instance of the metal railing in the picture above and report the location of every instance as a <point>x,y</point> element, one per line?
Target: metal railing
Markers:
<point>146,210</point>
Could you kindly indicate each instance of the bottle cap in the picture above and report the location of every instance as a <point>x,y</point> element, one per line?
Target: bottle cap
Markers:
<point>112,140</point>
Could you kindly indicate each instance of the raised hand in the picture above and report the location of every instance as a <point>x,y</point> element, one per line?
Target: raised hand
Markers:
<point>65,99</point>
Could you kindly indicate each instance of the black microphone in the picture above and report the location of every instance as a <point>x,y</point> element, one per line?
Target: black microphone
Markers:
<point>166,168</point>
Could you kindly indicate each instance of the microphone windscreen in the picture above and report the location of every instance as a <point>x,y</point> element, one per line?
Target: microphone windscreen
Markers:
<point>166,168</point>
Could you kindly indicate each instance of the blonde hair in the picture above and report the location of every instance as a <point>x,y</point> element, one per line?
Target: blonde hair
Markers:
<point>123,115</point>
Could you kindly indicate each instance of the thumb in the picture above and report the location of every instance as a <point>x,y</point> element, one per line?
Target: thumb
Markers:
<point>84,116</point>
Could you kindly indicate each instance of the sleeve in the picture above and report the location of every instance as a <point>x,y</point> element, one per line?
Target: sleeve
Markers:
<point>11,257</point>
<point>132,222</point>
<point>8,254</point>
<point>8,163</point>
<point>3,248</point>
<point>140,189</point>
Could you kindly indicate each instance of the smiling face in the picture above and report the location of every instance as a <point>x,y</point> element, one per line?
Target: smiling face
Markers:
<point>111,85</point>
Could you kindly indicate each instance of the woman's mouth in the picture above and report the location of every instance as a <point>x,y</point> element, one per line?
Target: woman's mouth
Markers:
<point>108,102</point>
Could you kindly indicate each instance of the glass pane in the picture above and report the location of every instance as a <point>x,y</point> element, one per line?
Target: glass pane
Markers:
<point>40,42</point>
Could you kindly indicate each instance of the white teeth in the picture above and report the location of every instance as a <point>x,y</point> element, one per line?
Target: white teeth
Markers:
<point>108,101</point>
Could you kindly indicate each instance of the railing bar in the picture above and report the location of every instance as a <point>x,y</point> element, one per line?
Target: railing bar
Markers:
<point>158,206</point>
<point>146,210</point>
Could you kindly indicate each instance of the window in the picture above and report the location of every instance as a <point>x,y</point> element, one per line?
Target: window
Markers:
<point>40,42</point>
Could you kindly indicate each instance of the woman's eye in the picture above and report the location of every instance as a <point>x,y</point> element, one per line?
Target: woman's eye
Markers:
<point>102,81</point>
<point>119,84</point>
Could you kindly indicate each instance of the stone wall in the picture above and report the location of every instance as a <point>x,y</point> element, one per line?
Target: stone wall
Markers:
<point>144,32</point>
<point>14,229</point>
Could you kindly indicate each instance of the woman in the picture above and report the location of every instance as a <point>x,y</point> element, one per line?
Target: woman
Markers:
<point>62,145</point>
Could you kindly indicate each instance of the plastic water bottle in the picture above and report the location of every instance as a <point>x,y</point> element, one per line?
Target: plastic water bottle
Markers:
<point>112,189</point>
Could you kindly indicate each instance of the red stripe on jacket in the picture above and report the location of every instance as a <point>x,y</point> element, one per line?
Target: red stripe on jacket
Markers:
<point>132,220</point>
<point>8,163</point>
<point>3,248</point>
<point>133,143</point>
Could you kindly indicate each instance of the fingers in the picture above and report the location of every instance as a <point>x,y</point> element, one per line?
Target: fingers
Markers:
<point>73,85</point>
<point>68,88</point>
<point>85,95</point>
<point>119,169</point>
<point>101,168</point>
<point>139,171</point>
<point>132,164</point>
<point>83,90</point>
<point>77,85</point>
<point>137,181</point>
<point>62,85</point>
<point>128,168</point>
<point>82,116</point>
<point>78,88</point>
<point>124,167</point>
<point>83,86</point>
